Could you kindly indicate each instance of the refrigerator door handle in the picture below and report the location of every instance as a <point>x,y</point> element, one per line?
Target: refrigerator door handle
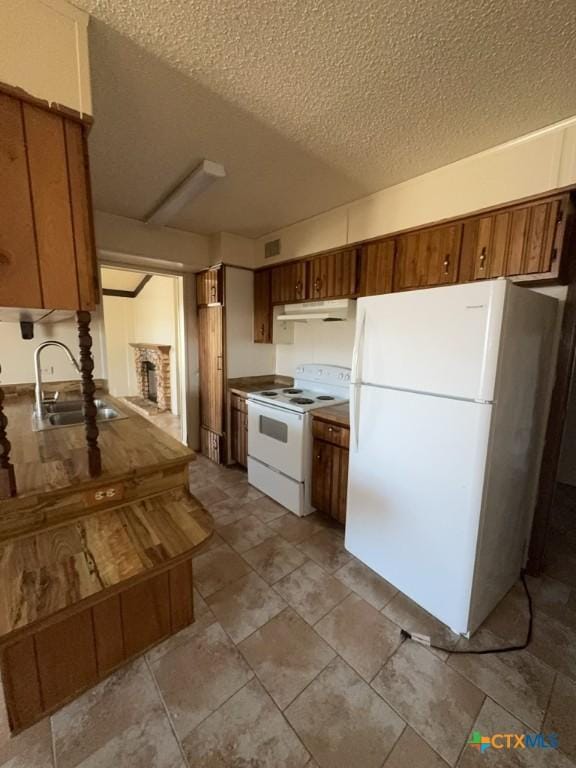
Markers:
<point>357,353</point>
<point>355,392</point>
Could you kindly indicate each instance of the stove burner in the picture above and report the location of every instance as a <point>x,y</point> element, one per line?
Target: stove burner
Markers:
<point>291,391</point>
<point>269,394</point>
<point>325,397</point>
<point>301,400</point>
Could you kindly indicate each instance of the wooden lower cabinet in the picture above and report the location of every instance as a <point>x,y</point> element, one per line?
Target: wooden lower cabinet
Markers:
<point>330,457</point>
<point>50,665</point>
<point>239,430</point>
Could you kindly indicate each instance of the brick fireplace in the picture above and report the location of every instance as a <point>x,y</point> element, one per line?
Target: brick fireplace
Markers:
<point>152,363</point>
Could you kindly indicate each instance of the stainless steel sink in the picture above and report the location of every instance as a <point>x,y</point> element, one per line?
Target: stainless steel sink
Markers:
<point>69,413</point>
<point>63,406</point>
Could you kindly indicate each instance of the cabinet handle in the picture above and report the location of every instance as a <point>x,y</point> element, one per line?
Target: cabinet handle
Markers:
<point>482,257</point>
<point>333,429</point>
<point>446,263</point>
<point>317,284</point>
<point>262,329</point>
<point>318,457</point>
<point>219,363</point>
<point>298,287</point>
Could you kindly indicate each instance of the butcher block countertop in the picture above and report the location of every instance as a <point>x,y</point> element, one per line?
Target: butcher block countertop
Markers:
<point>55,459</point>
<point>248,384</point>
<point>335,414</point>
<point>51,570</point>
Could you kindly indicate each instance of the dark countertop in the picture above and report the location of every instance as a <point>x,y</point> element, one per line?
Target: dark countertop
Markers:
<point>335,414</point>
<point>247,384</point>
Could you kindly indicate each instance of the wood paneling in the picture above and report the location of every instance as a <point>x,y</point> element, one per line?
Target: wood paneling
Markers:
<point>210,287</point>
<point>428,257</point>
<point>211,445</point>
<point>239,430</point>
<point>211,364</point>
<point>21,683</point>
<point>181,602</point>
<point>66,658</point>
<point>330,457</point>
<point>146,613</point>
<point>54,663</point>
<point>262,308</point>
<point>81,205</point>
<point>19,271</point>
<point>288,282</point>
<point>377,268</point>
<point>52,207</point>
<point>108,635</point>
<point>333,275</point>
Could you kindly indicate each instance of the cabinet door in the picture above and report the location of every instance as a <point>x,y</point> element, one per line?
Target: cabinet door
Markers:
<point>440,250</point>
<point>531,247</point>
<point>211,364</point>
<point>288,282</point>
<point>484,247</point>
<point>321,475</point>
<point>377,268</point>
<point>333,275</point>
<point>262,308</point>
<point>19,273</point>
<point>340,458</point>
<point>209,287</point>
<point>428,257</point>
<point>239,436</point>
<point>52,209</point>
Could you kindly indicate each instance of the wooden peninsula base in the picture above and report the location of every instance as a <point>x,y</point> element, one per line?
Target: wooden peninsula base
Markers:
<point>81,599</point>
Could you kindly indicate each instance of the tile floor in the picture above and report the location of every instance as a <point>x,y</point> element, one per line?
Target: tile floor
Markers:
<point>295,660</point>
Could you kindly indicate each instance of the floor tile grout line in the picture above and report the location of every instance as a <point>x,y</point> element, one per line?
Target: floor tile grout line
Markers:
<point>52,741</point>
<point>166,711</point>
<point>402,732</point>
<point>550,697</point>
<point>475,719</point>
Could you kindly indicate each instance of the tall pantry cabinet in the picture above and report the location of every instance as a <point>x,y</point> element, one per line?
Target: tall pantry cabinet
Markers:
<point>226,350</point>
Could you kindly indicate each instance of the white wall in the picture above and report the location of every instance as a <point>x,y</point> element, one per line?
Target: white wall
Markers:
<point>530,165</point>
<point>44,46</point>
<point>244,358</point>
<point>227,248</point>
<point>150,318</point>
<point>127,241</point>
<point>317,342</point>
<point>17,355</point>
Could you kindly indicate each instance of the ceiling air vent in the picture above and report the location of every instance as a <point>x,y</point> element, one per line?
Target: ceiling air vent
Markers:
<point>272,248</point>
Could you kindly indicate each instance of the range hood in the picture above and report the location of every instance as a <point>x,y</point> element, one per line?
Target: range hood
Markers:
<point>338,309</point>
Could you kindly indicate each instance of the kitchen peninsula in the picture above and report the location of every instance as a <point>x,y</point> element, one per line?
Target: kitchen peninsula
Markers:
<point>94,570</point>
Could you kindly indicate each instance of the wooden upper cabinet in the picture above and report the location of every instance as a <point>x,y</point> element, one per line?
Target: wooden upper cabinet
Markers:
<point>47,253</point>
<point>428,257</point>
<point>333,275</point>
<point>288,282</point>
<point>210,287</point>
<point>525,240</point>
<point>377,268</point>
<point>262,307</point>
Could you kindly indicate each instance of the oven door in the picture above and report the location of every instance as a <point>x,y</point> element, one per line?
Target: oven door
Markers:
<point>276,437</point>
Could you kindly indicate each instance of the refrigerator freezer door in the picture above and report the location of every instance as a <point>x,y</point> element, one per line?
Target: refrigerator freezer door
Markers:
<point>440,340</point>
<point>415,493</point>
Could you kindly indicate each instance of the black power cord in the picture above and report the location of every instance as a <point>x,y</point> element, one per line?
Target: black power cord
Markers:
<point>506,649</point>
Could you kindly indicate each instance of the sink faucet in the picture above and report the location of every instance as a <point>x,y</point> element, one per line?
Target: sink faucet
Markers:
<point>39,394</point>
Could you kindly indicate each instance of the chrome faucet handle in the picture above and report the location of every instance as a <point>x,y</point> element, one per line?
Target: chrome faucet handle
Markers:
<point>50,397</point>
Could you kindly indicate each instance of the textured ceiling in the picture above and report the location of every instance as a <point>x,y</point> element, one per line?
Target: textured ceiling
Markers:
<point>120,279</point>
<point>310,105</point>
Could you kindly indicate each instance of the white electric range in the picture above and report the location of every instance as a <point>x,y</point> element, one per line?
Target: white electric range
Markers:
<point>280,433</point>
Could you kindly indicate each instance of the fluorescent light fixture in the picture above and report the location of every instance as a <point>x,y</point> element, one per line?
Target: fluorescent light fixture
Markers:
<point>202,177</point>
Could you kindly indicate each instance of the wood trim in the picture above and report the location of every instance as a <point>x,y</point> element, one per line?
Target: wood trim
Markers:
<point>49,106</point>
<point>128,294</point>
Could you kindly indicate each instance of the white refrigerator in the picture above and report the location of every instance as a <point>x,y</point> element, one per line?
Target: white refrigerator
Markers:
<point>449,398</point>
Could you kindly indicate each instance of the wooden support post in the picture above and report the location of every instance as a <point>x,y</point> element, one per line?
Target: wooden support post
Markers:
<point>7,476</point>
<point>88,389</point>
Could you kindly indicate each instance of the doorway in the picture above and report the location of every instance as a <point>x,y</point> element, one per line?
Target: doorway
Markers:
<point>143,327</point>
